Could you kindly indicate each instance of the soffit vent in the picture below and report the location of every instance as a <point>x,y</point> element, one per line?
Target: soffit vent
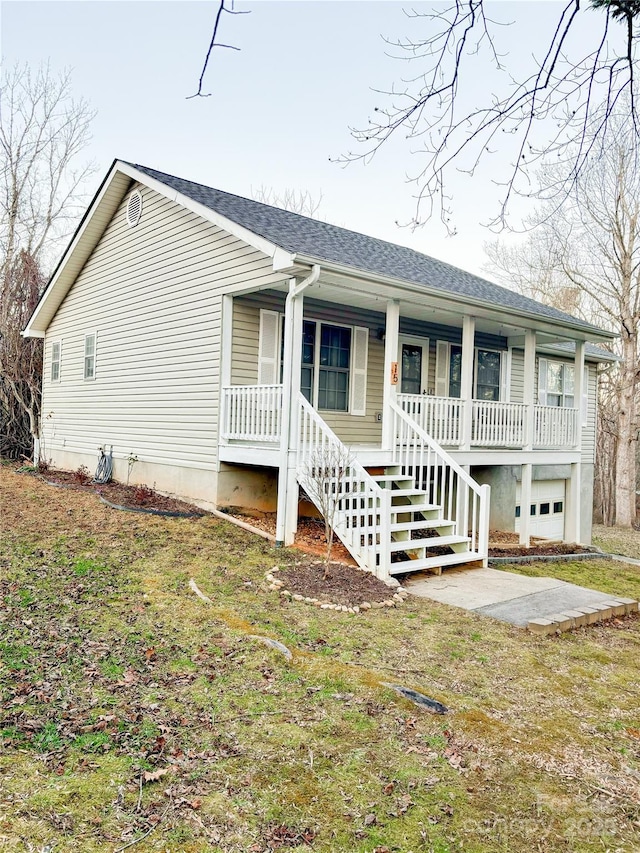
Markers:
<point>134,208</point>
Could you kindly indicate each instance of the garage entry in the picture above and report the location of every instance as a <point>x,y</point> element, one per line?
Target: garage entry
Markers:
<point>546,510</point>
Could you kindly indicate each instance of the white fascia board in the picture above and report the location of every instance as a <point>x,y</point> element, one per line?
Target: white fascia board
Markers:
<point>542,323</point>
<point>79,249</point>
<point>259,243</point>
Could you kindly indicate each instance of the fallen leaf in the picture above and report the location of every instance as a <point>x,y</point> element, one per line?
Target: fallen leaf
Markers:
<point>154,775</point>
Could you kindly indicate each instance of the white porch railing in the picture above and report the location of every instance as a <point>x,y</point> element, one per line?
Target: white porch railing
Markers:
<point>360,508</point>
<point>495,424</point>
<point>555,426</point>
<point>252,413</point>
<point>445,482</point>
<point>440,417</point>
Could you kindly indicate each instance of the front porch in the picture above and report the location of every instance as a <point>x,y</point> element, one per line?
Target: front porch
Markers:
<point>453,385</point>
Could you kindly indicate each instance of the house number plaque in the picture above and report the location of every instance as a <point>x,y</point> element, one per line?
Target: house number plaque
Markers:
<point>394,372</point>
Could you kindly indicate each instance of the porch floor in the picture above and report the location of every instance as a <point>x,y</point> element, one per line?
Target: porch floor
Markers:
<point>509,597</point>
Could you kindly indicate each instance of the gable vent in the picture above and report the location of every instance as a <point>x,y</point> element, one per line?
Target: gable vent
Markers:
<point>134,208</point>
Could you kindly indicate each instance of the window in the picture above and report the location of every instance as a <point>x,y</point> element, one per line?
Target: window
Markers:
<point>56,350</point>
<point>90,356</point>
<point>532,510</point>
<point>560,384</point>
<point>487,375</point>
<point>517,511</point>
<point>558,506</point>
<point>326,357</point>
<point>545,508</point>
<point>489,371</point>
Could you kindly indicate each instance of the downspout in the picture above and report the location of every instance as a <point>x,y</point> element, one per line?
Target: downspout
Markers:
<point>289,423</point>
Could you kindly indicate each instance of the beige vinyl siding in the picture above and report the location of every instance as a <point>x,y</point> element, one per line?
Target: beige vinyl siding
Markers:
<point>516,387</point>
<point>589,430</point>
<point>153,296</point>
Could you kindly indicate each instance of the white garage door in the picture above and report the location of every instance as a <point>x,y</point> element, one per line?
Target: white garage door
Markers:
<point>546,510</point>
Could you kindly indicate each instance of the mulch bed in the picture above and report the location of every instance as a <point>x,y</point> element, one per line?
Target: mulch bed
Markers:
<point>132,497</point>
<point>345,585</point>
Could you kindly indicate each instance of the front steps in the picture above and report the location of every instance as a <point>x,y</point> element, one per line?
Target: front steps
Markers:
<point>412,512</point>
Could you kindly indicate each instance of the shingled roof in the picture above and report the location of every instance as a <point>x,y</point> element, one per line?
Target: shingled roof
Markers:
<point>331,244</point>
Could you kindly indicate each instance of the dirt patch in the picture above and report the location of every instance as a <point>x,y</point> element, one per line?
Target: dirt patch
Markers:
<point>345,585</point>
<point>548,550</point>
<point>136,497</point>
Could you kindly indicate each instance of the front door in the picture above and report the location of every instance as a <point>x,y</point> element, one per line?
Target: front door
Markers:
<point>413,361</point>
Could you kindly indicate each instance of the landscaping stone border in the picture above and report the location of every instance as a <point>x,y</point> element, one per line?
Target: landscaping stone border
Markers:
<point>168,513</point>
<point>550,558</point>
<point>556,623</point>
<point>277,585</point>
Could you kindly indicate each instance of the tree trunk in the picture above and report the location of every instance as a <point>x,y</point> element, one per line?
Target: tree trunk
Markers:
<point>627,448</point>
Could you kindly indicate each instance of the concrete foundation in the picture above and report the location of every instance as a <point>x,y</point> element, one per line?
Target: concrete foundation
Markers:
<point>248,488</point>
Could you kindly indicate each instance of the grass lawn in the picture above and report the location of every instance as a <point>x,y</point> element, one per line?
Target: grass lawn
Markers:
<point>617,540</point>
<point>132,711</point>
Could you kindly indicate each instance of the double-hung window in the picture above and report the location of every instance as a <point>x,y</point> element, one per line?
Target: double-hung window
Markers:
<point>326,360</point>
<point>90,356</point>
<point>558,379</point>
<point>56,358</point>
<point>333,368</point>
<point>488,372</point>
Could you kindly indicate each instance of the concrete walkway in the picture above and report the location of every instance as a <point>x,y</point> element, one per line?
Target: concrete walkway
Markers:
<point>517,599</point>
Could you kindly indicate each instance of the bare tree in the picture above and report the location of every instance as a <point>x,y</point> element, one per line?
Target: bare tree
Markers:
<point>42,132</point>
<point>324,478</point>
<point>585,258</point>
<point>297,201</point>
<point>561,105</point>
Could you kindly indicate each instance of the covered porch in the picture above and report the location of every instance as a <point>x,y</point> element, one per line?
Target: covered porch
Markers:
<point>465,375</point>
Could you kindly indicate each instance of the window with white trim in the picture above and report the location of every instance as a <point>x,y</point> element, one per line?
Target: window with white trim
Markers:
<point>56,359</point>
<point>333,369</point>
<point>489,368</point>
<point>90,356</point>
<point>326,363</point>
<point>556,386</point>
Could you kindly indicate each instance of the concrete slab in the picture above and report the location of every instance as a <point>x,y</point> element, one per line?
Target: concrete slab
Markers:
<point>565,598</point>
<point>511,598</point>
<point>474,588</point>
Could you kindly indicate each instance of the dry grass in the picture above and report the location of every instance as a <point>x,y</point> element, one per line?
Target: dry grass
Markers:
<point>113,671</point>
<point>617,540</point>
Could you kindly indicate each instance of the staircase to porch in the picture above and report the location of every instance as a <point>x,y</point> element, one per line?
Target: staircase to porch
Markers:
<point>422,537</point>
<point>422,512</point>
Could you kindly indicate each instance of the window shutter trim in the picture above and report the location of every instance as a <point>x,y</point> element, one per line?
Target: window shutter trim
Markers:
<point>359,357</point>
<point>268,347</point>
<point>542,381</point>
<point>442,369</point>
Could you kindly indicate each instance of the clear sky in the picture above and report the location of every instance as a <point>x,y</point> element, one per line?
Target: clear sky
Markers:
<point>280,108</point>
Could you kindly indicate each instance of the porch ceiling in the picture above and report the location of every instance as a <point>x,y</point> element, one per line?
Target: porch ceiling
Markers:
<point>446,310</point>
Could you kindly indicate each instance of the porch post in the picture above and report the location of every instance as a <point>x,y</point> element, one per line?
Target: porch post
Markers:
<point>573,514</point>
<point>226,343</point>
<point>529,389</point>
<point>284,534</point>
<point>525,504</point>
<point>389,391</point>
<point>578,390</point>
<point>466,379</point>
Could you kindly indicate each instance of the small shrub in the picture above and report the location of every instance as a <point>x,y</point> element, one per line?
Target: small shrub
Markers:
<point>81,476</point>
<point>142,495</point>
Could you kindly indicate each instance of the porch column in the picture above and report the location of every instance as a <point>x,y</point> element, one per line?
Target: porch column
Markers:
<point>573,508</point>
<point>466,379</point>
<point>578,390</point>
<point>226,343</point>
<point>525,504</point>
<point>389,390</point>
<point>529,389</point>
<point>287,513</point>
